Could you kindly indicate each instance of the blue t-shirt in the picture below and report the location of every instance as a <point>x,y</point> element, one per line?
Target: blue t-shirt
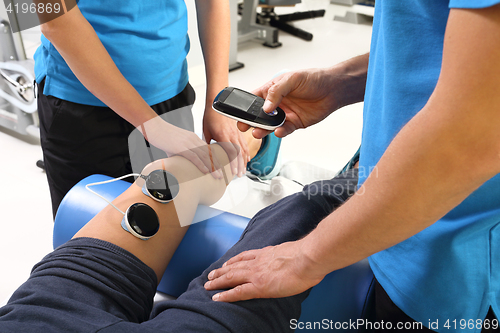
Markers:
<point>450,271</point>
<point>147,40</point>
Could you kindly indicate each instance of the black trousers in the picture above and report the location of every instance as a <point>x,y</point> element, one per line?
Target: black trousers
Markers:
<point>81,140</point>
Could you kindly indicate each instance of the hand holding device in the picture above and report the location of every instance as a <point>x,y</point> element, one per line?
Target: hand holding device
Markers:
<point>307,96</point>
<point>245,107</point>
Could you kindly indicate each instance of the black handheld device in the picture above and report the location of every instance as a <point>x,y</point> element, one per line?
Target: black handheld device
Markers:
<point>247,108</point>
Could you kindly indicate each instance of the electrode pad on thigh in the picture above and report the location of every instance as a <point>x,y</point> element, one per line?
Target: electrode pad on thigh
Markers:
<point>141,221</point>
<point>161,185</point>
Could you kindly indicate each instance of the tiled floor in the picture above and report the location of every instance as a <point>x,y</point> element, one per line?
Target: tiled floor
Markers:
<point>24,199</point>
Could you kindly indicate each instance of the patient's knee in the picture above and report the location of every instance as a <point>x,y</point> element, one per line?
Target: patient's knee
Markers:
<point>175,175</point>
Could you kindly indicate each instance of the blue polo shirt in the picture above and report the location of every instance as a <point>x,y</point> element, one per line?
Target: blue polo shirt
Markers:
<point>449,272</point>
<point>147,40</point>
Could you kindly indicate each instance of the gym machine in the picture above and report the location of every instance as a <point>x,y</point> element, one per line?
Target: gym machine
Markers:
<point>18,109</point>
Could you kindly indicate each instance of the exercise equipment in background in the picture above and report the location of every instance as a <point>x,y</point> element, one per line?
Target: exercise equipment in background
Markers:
<point>18,109</point>
<point>268,16</point>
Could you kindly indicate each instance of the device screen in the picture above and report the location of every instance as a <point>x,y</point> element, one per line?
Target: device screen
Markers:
<point>240,99</point>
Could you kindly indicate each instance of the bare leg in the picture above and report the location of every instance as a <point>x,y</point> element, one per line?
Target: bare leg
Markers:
<point>195,188</point>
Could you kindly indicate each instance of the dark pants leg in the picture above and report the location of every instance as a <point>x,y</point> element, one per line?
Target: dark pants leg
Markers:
<point>81,140</point>
<point>90,285</point>
<point>289,219</point>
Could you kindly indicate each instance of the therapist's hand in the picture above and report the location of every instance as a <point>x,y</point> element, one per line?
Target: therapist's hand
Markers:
<point>223,129</point>
<point>177,141</point>
<point>306,96</point>
<point>271,272</point>
<point>309,96</point>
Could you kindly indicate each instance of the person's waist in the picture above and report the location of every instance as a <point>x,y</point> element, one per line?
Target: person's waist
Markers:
<point>152,90</point>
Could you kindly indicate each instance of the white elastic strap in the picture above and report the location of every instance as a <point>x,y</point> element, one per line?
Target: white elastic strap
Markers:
<point>110,181</point>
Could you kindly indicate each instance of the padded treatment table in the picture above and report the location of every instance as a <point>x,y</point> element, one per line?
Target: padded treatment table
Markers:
<point>338,300</point>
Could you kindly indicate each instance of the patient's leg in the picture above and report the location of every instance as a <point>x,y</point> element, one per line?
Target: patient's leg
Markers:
<point>195,188</point>
<point>91,283</point>
<point>289,219</point>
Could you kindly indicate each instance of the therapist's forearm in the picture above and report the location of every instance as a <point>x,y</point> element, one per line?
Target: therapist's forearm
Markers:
<point>352,74</point>
<point>76,41</point>
<point>214,31</point>
<point>422,176</point>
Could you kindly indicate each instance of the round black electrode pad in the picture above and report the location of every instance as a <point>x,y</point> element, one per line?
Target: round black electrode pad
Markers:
<point>142,221</point>
<point>162,186</point>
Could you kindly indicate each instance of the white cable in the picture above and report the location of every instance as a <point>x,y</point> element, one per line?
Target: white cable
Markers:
<point>110,181</point>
